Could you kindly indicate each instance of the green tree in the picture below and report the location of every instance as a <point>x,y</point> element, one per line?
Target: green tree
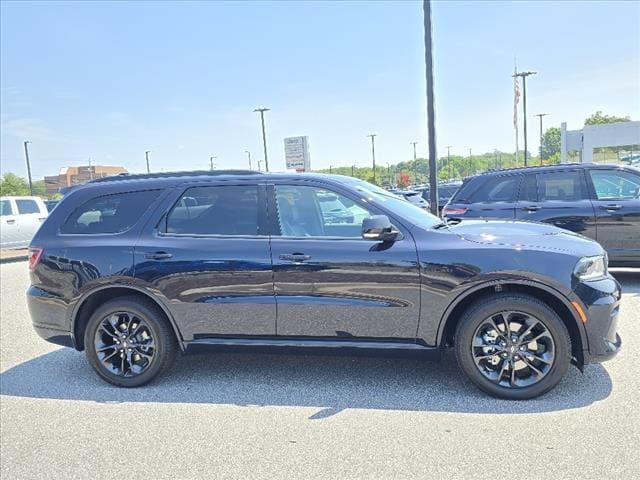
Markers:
<point>550,142</point>
<point>598,119</point>
<point>12,184</point>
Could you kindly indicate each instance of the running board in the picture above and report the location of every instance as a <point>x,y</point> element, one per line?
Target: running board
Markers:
<point>311,346</point>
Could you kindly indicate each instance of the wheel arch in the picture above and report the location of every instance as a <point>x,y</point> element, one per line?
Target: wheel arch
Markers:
<point>93,299</point>
<point>553,298</point>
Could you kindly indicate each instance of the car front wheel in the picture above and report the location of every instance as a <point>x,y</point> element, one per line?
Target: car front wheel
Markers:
<point>513,346</point>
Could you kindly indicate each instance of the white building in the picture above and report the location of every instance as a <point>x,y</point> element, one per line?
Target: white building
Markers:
<point>597,136</point>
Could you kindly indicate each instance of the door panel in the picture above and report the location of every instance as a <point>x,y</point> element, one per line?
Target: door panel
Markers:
<point>9,225</point>
<point>340,287</point>
<point>617,209</point>
<point>561,198</point>
<point>211,262</point>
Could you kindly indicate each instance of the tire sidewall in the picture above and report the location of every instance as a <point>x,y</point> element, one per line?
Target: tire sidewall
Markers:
<point>150,316</point>
<point>483,310</point>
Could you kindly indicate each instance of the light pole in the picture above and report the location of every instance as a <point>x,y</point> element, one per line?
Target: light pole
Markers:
<point>353,170</point>
<point>264,136</point>
<point>415,158</point>
<point>373,155</point>
<point>524,76</point>
<point>259,162</point>
<point>248,155</point>
<point>431,112</point>
<point>211,159</point>
<point>449,160</point>
<point>26,155</point>
<point>540,115</point>
<point>470,162</point>
<point>146,156</point>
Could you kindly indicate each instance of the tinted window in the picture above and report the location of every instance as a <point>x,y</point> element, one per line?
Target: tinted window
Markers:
<point>219,210</point>
<point>109,213</point>
<point>5,207</point>
<point>615,185</point>
<point>561,186</point>
<point>27,206</point>
<point>316,212</point>
<point>497,189</point>
<point>529,189</point>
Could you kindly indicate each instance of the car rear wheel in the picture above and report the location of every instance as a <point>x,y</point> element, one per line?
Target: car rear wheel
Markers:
<point>513,346</point>
<point>128,342</point>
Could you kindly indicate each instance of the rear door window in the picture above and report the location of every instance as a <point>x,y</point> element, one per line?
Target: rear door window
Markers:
<point>26,206</point>
<point>561,186</point>
<point>215,210</point>
<point>497,189</point>
<point>529,189</point>
<point>109,213</point>
<point>5,208</point>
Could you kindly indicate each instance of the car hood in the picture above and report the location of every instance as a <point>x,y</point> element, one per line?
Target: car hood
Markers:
<point>525,235</point>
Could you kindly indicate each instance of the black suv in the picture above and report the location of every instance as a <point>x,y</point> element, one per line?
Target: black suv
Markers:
<point>133,269</point>
<point>599,201</point>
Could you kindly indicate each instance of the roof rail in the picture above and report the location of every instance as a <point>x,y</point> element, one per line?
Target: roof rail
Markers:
<point>193,173</point>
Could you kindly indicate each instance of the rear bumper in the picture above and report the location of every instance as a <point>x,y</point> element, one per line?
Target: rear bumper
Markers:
<point>602,300</point>
<point>49,317</point>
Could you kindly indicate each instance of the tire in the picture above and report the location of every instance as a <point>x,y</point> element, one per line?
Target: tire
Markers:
<point>505,382</point>
<point>152,343</point>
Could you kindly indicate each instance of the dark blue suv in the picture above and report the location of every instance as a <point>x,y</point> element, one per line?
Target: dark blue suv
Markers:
<point>133,269</point>
<point>599,201</point>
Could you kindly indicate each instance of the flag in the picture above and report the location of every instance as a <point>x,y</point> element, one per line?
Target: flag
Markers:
<point>516,100</point>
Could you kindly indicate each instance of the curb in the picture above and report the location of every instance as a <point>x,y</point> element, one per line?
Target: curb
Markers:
<point>13,259</point>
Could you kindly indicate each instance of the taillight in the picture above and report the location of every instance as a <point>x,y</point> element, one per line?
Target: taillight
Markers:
<point>454,211</point>
<point>34,257</point>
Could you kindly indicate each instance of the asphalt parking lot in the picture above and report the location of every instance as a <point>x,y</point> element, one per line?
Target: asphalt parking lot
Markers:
<point>281,416</point>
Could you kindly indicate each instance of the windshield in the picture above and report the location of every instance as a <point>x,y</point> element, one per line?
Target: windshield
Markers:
<point>396,204</point>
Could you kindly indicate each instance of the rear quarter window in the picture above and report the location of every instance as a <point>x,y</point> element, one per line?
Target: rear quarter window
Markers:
<point>496,189</point>
<point>114,213</point>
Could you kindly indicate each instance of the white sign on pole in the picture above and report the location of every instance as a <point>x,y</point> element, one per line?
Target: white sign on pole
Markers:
<point>296,154</point>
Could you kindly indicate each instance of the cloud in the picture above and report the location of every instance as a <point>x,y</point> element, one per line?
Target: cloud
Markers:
<point>29,129</point>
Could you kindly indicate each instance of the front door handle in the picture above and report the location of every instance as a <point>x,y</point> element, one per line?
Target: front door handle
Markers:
<point>531,208</point>
<point>11,222</point>
<point>610,207</point>
<point>295,257</point>
<point>157,255</point>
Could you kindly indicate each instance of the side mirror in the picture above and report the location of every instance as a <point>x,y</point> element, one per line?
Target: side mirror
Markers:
<point>379,228</point>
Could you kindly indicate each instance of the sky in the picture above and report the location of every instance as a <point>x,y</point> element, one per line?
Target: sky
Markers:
<point>107,81</point>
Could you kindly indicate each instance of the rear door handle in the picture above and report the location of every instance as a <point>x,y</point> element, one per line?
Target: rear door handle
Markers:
<point>531,208</point>
<point>610,207</point>
<point>294,257</point>
<point>11,222</point>
<point>157,255</point>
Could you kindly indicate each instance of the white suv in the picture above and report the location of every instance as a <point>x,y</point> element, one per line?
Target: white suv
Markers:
<point>20,218</point>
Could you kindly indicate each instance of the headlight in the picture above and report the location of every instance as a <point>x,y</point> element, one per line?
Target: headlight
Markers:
<point>591,268</point>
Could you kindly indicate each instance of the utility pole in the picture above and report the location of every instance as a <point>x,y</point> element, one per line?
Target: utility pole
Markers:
<point>415,158</point>
<point>524,76</point>
<point>353,170</point>
<point>330,168</point>
<point>373,154</point>
<point>470,166</point>
<point>495,151</point>
<point>90,170</point>
<point>449,160</point>
<point>248,155</point>
<point>431,113</point>
<point>264,136</point>
<point>146,156</point>
<point>540,115</point>
<point>211,159</point>
<point>259,161</point>
<point>26,155</point>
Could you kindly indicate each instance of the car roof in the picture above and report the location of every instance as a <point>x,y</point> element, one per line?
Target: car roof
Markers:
<point>547,168</point>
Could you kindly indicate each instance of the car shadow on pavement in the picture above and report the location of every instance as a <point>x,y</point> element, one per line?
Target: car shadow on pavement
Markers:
<point>329,383</point>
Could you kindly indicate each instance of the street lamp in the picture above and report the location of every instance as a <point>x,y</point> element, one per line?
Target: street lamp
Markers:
<point>449,160</point>
<point>26,154</point>
<point>524,76</point>
<point>373,154</point>
<point>415,158</point>
<point>540,115</point>
<point>264,135</point>
<point>248,155</point>
<point>146,156</point>
<point>211,159</point>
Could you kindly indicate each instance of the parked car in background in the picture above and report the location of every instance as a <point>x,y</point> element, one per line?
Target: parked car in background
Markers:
<point>20,218</point>
<point>599,201</point>
<point>414,197</point>
<point>633,159</point>
<point>445,192</point>
<point>134,269</point>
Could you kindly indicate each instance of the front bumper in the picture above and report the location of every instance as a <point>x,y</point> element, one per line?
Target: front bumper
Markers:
<point>602,301</point>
